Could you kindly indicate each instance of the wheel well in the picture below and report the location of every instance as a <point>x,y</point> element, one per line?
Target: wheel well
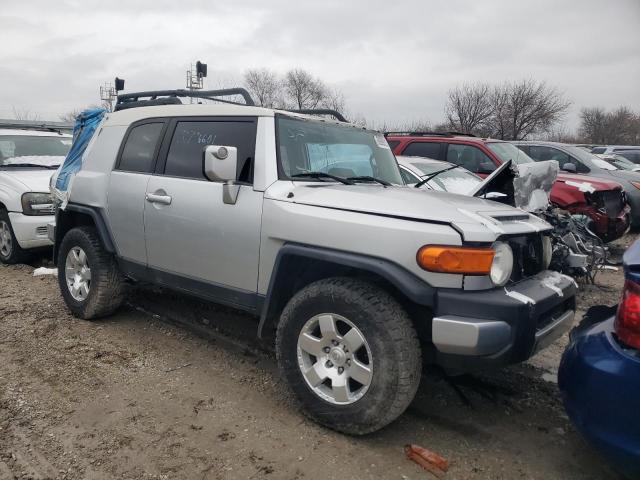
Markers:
<point>295,272</point>
<point>65,221</point>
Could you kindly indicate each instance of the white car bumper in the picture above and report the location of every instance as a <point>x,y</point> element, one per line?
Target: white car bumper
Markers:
<point>31,231</point>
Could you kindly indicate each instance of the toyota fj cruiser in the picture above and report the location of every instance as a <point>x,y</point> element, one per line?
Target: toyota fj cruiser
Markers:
<point>305,222</point>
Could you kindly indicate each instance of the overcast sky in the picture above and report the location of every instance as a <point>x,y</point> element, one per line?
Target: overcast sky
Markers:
<point>394,61</point>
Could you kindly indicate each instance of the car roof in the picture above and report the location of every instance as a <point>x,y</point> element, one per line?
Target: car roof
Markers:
<point>31,133</point>
<point>129,115</point>
<point>441,137</point>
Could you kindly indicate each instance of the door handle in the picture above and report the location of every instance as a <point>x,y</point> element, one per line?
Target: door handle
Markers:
<point>155,198</point>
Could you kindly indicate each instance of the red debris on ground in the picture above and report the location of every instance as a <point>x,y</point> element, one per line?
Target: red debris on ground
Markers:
<point>430,461</point>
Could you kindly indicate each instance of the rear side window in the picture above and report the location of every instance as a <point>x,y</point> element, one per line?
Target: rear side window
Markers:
<point>190,138</point>
<point>140,148</point>
<point>393,144</point>
<point>423,149</point>
<point>598,150</point>
<point>470,157</point>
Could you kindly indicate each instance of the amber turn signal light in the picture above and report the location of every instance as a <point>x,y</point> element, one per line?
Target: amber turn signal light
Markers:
<point>464,260</point>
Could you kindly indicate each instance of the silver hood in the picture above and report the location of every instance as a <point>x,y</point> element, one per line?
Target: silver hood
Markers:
<point>476,219</point>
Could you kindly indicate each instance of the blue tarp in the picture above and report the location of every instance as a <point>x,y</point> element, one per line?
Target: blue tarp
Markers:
<point>86,124</point>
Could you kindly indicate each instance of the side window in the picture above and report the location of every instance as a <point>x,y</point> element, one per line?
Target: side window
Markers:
<point>393,144</point>
<point>598,150</point>
<point>140,148</point>
<point>184,158</point>
<point>408,177</point>
<point>470,157</point>
<point>424,149</point>
<point>541,152</point>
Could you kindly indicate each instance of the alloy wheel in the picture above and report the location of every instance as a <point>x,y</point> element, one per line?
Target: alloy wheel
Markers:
<point>6,241</point>
<point>335,359</point>
<point>78,274</point>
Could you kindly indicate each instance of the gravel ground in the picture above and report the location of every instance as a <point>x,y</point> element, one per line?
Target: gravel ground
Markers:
<point>170,387</point>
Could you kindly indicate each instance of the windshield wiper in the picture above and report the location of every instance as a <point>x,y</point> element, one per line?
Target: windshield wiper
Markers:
<point>433,175</point>
<point>368,178</point>
<point>323,175</point>
<point>36,165</point>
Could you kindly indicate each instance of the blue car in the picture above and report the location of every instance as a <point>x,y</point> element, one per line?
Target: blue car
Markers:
<point>599,375</point>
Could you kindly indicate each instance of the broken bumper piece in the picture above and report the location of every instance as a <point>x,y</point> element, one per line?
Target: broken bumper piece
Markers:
<point>477,329</point>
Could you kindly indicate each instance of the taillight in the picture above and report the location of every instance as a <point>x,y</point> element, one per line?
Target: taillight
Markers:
<point>627,324</point>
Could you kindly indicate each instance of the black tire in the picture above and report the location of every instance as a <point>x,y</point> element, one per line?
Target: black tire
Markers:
<point>391,337</point>
<point>107,288</point>
<point>14,254</point>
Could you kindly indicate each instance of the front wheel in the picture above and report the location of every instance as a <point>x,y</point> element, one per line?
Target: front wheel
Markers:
<point>349,353</point>
<point>10,251</point>
<point>90,281</point>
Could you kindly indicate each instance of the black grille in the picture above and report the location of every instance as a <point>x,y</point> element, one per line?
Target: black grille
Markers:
<point>527,256</point>
<point>610,202</point>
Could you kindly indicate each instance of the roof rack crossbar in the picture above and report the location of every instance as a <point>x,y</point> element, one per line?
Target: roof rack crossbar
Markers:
<point>320,111</point>
<point>153,95</point>
<point>430,134</point>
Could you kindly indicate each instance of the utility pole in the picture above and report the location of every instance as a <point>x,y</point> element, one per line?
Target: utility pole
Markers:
<point>109,92</point>
<point>195,76</point>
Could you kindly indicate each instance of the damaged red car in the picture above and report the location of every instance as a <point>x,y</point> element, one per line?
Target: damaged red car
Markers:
<point>603,201</point>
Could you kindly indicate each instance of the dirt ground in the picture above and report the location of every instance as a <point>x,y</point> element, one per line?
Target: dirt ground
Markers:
<point>174,388</point>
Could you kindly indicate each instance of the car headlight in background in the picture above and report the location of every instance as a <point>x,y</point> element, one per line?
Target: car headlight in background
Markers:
<point>502,264</point>
<point>37,203</point>
<point>547,251</point>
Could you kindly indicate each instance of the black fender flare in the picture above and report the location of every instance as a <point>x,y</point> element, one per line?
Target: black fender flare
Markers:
<point>98,218</point>
<point>413,287</point>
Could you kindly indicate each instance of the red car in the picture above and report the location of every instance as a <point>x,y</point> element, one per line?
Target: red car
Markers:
<point>603,201</point>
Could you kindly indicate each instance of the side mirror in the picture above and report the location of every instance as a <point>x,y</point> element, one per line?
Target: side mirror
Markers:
<point>569,167</point>
<point>220,163</point>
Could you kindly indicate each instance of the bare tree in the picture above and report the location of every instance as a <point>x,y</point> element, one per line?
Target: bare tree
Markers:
<point>71,116</point>
<point>265,86</point>
<point>469,107</point>
<point>525,107</point>
<point>621,126</point>
<point>24,114</point>
<point>303,90</point>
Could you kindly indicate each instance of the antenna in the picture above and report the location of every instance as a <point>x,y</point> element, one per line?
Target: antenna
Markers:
<point>109,92</point>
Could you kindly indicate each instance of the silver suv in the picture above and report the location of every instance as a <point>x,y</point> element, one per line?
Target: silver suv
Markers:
<point>357,280</point>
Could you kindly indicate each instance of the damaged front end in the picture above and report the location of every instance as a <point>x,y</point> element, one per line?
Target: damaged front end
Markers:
<point>576,249</point>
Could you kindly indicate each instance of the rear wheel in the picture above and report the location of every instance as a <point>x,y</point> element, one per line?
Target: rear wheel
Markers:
<point>349,353</point>
<point>90,281</point>
<point>10,251</point>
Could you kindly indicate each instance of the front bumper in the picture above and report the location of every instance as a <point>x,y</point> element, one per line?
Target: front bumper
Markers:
<point>600,385</point>
<point>501,326</point>
<point>31,231</point>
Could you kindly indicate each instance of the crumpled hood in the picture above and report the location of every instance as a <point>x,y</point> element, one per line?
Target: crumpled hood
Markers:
<point>29,180</point>
<point>588,183</point>
<point>472,217</point>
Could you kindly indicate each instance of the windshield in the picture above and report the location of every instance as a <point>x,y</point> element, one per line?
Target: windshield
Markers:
<point>344,151</point>
<point>507,151</point>
<point>458,180</point>
<point>589,159</point>
<point>33,150</point>
<point>621,162</point>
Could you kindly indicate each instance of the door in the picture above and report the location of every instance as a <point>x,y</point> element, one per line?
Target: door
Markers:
<point>189,230</point>
<point>128,185</point>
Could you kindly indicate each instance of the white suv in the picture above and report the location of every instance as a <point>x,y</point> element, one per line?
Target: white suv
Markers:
<point>28,158</point>
<point>306,223</point>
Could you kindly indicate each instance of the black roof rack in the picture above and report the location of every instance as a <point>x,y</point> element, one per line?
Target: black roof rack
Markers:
<point>43,126</point>
<point>429,134</point>
<point>321,111</point>
<point>171,97</point>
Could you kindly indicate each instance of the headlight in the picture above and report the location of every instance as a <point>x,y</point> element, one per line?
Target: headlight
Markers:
<point>37,204</point>
<point>502,264</point>
<point>547,251</point>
